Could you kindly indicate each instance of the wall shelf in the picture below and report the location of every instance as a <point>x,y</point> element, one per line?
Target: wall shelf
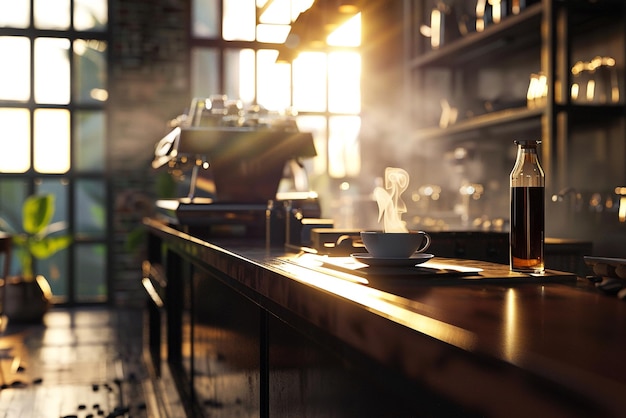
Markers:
<point>486,121</point>
<point>495,66</point>
<point>513,32</point>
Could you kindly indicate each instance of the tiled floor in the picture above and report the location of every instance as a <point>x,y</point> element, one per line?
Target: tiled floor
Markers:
<point>78,363</point>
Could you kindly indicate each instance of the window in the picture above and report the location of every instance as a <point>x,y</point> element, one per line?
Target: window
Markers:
<point>53,91</point>
<point>234,56</point>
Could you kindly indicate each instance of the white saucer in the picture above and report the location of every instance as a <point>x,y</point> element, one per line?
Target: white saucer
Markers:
<point>411,261</point>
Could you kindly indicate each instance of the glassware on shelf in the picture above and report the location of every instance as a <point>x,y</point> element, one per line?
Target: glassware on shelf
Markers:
<point>537,90</point>
<point>444,26</point>
<point>517,6</point>
<point>488,12</point>
<point>595,82</point>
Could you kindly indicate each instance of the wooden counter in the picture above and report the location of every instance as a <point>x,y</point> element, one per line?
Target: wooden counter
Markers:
<point>255,332</point>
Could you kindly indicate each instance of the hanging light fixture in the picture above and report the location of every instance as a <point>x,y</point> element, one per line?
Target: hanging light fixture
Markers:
<point>312,27</point>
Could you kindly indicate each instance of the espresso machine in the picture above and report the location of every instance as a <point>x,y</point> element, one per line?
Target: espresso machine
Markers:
<point>233,173</point>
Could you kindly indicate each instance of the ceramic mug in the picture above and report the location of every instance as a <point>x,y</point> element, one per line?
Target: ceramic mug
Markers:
<point>395,244</point>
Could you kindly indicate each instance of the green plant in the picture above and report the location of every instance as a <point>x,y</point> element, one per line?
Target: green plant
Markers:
<point>40,238</point>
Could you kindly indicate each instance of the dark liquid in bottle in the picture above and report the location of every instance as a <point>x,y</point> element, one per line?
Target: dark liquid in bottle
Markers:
<point>527,228</point>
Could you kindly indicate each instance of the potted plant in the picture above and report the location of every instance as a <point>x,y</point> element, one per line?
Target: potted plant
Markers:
<point>27,296</point>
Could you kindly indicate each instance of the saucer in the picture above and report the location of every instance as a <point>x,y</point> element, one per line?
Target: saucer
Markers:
<point>411,261</point>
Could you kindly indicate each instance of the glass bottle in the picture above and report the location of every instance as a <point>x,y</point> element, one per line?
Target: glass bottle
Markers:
<point>526,238</point>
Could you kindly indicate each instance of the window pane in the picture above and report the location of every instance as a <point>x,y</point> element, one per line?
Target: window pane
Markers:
<point>56,268</point>
<point>205,18</point>
<point>15,140</point>
<point>52,14</point>
<point>278,11</point>
<point>344,82</point>
<point>274,81</point>
<point>316,125</point>
<point>344,153</point>
<point>348,34</point>
<point>239,74</point>
<point>13,192</point>
<point>89,140</point>
<point>239,20</point>
<point>204,72</point>
<point>52,70</point>
<point>15,68</point>
<point>90,270</point>
<point>14,13</point>
<point>89,208</point>
<point>52,141</point>
<point>309,82</point>
<point>59,189</point>
<point>90,14</point>
<point>276,34</point>
<point>90,69</point>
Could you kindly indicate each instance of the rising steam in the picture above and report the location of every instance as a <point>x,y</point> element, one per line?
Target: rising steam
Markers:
<point>390,205</point>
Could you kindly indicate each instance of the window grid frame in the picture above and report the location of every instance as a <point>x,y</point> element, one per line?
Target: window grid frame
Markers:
<point>72,176</point>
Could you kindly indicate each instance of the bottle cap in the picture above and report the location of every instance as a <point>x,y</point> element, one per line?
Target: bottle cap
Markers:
<point>527,141</point>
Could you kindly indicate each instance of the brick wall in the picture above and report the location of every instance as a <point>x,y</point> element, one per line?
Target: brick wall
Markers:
<point>148,85</point>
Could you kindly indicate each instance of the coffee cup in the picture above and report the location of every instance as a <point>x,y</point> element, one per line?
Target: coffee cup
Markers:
<point>395,244</point>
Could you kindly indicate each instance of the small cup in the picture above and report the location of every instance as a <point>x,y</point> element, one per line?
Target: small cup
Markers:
<point>395,244</point>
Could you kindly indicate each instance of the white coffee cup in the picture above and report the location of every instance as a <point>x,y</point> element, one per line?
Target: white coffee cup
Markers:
<point>395,244</point>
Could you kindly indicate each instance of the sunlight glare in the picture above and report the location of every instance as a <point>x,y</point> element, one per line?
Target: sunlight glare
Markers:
<point>246,79</point>
<point>316,125</point>
<point>278,11</point>
<point>292,8</point>
<point>273,81</point>
<point>344,151</point>
<point>344,82</point>
<point>348,34</point>
<point>276,34</point>
<point>239,20</point>
<point>309,81</point>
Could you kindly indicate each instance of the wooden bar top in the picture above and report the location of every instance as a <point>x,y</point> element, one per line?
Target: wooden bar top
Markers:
<point>552,344</point>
